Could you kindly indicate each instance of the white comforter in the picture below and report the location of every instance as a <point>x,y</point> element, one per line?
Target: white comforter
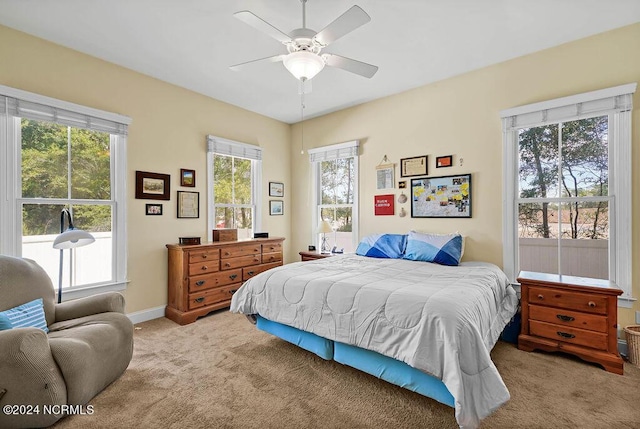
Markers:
<point>441,320</point>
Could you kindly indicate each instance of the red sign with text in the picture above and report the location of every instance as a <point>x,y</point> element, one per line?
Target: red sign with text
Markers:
<point>383,205</point>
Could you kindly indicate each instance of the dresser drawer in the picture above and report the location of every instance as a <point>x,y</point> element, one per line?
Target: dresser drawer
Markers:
<point>272,248</point>
<point>200,283</point>
<point>242,250</point>
<point>204,267</point>
<point>591,322</point>
<point>242,261</point>
<point>204,255</point>
<point>567,334</point>
<point>212,296</point>
<point>566,299</point>
<point>249,272</point>
<point>271,257</point>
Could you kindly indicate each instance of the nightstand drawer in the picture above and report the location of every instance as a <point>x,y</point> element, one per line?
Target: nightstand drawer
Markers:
<point>566,299</point>
<point>558,316</point>
<point>568,334</point>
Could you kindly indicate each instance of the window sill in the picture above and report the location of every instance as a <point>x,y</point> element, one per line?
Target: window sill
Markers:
<point>626,301</point>
<point>82,291</point>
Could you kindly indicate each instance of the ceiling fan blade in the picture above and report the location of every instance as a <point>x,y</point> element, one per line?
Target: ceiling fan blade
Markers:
<point>262,25</point>
<point>351,65</point>
<point>273,59</point>
<point>345,23</point>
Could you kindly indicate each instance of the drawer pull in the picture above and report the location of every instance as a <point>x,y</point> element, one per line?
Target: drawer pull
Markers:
<point>233,276</point>
<point>204,256</point>
<point>565,318</point>
<point>541,296</point>
<point>250,272</point>
<point>592,304</point>
<point>200,299</point>
<point>232,291</point>
<point>200,282</point>
<point>204,268</point>
<point>565,334</point>
<point>226,264</point>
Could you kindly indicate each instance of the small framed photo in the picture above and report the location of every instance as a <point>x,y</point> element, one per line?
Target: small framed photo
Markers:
<point>187,178</point>
<point>276,207</point>
<point>153,186</point>
<point>276,189</point>
<point>444,161</point>
<point>188,204</point>
<point>153,210</point>
<point>416,166</point>
<point>402,184</point>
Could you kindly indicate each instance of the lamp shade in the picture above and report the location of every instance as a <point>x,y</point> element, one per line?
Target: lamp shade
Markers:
<point>324,227</point>
<point>303,64</point>
<point>73,238</point>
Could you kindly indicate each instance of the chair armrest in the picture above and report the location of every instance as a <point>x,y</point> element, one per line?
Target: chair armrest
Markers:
<point>94,304</point>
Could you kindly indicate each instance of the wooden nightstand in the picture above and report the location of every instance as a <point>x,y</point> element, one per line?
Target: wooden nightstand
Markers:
<point>310,256</point>
<point>574,315</point>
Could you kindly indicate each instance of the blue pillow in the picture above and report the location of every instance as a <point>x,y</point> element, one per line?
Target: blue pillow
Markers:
<point>26,315</point>
<point>444,249</point>
<point>382,246</point>
<point>5,323</point>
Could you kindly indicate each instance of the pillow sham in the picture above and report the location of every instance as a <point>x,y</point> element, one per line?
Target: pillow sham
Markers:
<point>382,246</point>
<point>5,323</point>
<point>26,315</point>
<point>444,249</point>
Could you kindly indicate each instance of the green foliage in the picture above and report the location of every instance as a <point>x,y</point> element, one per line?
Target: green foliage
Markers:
<point>337,189</point>
<point>232,187</point>
<point>45,171</point>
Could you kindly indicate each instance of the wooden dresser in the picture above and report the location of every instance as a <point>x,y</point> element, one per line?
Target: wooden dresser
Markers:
<point>203,277</point>
<point>574,315</point>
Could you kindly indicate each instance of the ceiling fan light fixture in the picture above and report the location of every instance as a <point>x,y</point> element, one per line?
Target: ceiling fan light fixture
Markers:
<point>303,64</point>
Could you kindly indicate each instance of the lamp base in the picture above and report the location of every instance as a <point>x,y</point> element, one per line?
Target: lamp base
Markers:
<point>324,248</point>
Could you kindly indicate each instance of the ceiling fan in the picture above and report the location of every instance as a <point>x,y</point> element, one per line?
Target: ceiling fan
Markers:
<point>304,59</point>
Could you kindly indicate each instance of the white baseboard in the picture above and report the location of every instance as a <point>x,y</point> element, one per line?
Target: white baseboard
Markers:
<point>144,315</point>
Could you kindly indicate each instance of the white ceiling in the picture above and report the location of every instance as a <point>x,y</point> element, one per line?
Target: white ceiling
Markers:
<point>192,43</point>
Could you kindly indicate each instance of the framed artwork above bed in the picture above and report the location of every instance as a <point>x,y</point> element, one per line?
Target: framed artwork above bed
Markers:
<point>445,196</point>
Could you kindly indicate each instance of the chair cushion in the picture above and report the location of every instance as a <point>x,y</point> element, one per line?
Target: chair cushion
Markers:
<point>28,315</point>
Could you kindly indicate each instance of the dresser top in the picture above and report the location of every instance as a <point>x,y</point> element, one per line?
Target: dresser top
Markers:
<point>224,243</point>
<point>572,281</point>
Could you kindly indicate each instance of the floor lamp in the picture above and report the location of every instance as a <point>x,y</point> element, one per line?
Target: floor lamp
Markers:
<point>68,239</point>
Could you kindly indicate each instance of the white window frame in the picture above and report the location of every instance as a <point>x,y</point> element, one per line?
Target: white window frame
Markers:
<point>222,146</point>
<point>316,156</point>
<point>40,107</point>
<point>616,103</point>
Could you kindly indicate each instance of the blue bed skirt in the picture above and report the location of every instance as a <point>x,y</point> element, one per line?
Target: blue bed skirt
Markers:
<point>383,367</point>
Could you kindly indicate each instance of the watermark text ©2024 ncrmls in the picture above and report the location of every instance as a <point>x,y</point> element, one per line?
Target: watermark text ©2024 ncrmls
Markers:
<point>55,409</point>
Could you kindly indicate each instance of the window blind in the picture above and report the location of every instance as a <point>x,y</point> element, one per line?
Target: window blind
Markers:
<point>590,104</point>
<point>23,104</point>
<point>336,151</point>
<point>222,146</point>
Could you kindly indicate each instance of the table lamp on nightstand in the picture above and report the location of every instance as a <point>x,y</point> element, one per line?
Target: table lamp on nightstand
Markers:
<point>324,228</point>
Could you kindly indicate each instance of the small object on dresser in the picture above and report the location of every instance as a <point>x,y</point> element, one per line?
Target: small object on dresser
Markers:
<point>260,235</point>
<point>226,234</point>
<point>189,240</point>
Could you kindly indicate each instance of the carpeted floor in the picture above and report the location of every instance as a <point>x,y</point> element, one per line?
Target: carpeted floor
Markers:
<point>221,372</point>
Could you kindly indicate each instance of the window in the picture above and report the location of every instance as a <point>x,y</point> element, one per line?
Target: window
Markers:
<point>335,178</point>
<point>60,155</point>
<point>568,187</point>
<point>234,171</point>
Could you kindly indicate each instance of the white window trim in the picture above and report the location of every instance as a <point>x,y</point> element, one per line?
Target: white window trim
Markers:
<point>239,150</point>
<point>10,192</point>
<point>563,109</point>
<point>328,153</point>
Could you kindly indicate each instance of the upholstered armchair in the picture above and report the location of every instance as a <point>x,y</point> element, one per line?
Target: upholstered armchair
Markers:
<point>88,346</point>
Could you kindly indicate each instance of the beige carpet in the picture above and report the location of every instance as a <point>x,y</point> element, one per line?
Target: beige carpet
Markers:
<point>221,372</point>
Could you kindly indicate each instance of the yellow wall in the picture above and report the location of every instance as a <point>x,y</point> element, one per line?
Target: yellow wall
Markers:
<point>458,116</point>
<point>461,116</point>
<point>167,133</point>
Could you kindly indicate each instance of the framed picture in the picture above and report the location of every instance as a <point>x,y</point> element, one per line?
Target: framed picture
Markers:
<point>188,204</point>
<point>416,166</point>
<point>444,161</point>
<point>276,207</point>
<point>153,186</point>
<point>383,205</point>
<point>402,184</point>
<point>187,178</point>
<point>153,210</point>
<point>276,189</point>
<point>446,196</point>
<point>385,176</point>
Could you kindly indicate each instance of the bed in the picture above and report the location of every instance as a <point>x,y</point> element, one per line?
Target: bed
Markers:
<point>421,325</point>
